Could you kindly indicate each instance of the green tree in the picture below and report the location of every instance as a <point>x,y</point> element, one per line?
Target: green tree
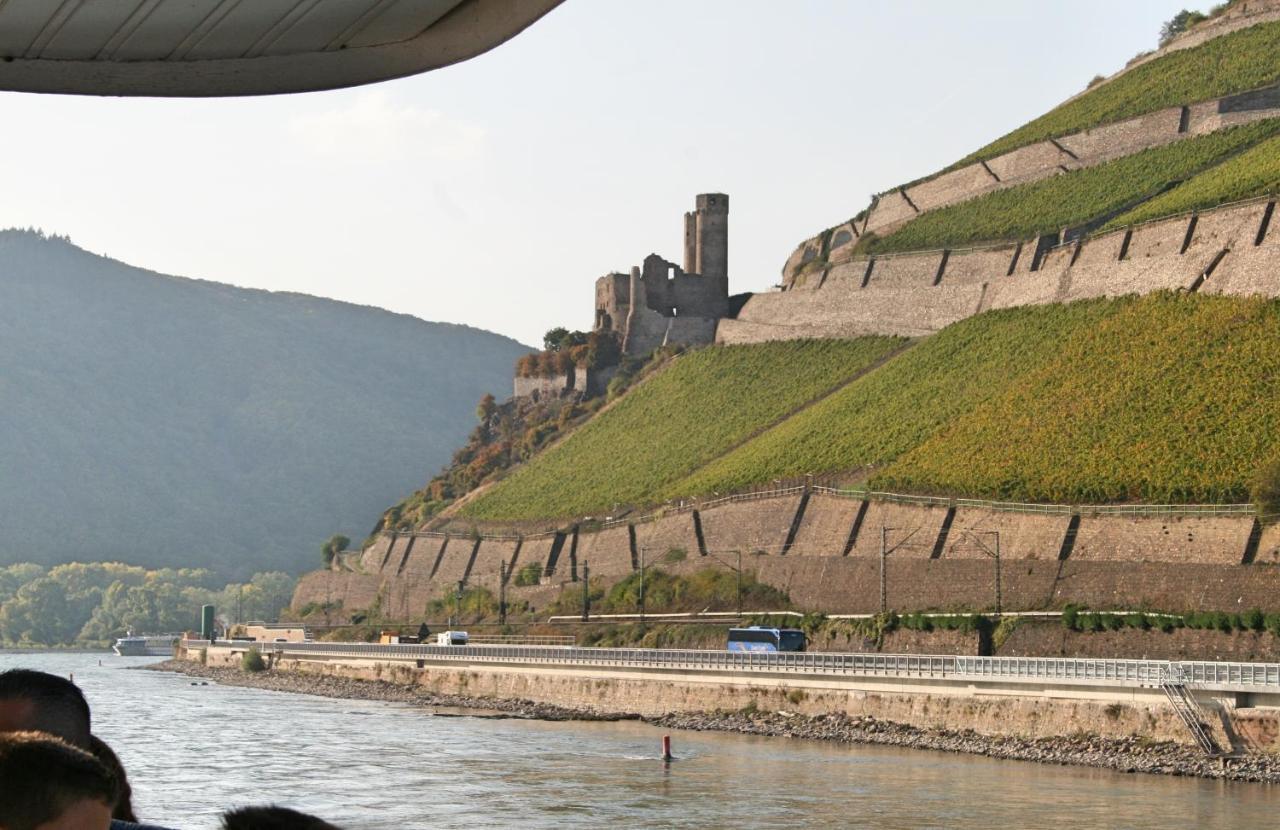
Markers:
<point>1178,24</point>
<point>334,545</point>
<point>1266,491</point>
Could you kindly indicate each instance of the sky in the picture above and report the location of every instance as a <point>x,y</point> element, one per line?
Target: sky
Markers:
<point>494,192</point>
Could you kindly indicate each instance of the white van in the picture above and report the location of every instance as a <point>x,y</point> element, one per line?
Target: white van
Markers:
<point>451,638</point>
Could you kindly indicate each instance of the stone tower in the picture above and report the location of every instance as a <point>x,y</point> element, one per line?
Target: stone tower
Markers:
<point>706,237</point>
<point>713,236</point>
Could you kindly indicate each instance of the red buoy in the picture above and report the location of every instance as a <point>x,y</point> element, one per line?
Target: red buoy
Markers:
<point>666,747</point>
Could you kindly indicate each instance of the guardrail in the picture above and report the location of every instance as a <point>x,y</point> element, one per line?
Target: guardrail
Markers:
<point>1056,509</point>
<point>1149,673</point>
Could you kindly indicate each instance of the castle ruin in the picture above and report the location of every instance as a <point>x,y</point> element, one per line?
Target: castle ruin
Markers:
<point>659,303</point>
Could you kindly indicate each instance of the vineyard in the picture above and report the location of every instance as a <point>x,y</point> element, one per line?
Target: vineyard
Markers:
<point>1073,198</point>
<point>674,423</point>
<point>905,402</point>
<point>1235,62</point>
<point>1255,172</point>
<point>1171,398</point>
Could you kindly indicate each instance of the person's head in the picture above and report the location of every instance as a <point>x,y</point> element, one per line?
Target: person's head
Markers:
<point>47,784</point>
<point>38,702</point>
<point>272,818</point>
<point>124,793</point>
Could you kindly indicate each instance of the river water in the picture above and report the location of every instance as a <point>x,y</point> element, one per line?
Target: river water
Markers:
<point>194,751</point>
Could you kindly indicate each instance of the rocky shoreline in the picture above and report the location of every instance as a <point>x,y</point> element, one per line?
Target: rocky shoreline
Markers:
<point>1130,755</point>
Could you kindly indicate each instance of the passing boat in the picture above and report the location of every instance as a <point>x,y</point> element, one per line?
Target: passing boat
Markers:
<point>149,645</point>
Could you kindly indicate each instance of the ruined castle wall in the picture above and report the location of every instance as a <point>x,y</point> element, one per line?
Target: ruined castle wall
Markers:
<point>749,527</point>
<point>542,387</point>
<point>825,528</point>
<point>690,331</point>
<point>1216,541</point>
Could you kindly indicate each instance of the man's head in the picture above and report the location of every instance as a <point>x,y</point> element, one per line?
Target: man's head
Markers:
<point>39,702</point>
<point>47,784</point>
<point>272,818</point>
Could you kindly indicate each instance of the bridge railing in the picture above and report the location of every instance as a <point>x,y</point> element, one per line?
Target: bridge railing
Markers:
<point>1208,675</point>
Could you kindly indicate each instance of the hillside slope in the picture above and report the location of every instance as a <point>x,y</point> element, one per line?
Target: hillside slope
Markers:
<point>672,424</point>
<point>1161,398</point>
<point>164,421</point>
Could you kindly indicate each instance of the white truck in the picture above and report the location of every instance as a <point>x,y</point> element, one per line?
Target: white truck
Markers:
<point>451,638</point>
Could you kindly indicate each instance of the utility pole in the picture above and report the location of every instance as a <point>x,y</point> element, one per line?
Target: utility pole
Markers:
<point>586,592</point>
<point>502,593</point>
<point>239,603</point>
<point>884,556</point>
<point>642,584</point>
<point>457,605</point>
<point>999,599</point>
<point>738,575</point>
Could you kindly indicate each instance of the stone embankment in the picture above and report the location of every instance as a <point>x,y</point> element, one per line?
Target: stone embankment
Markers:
<point>1131,755</point>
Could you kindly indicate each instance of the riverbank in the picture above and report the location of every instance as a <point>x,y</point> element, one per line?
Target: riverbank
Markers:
<point>1129,755</point>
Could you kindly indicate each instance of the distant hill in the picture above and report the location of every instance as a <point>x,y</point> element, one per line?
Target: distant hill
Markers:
<point>166,421</point>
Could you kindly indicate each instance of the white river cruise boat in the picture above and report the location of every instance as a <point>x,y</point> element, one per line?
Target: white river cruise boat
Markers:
<point>150,645</point>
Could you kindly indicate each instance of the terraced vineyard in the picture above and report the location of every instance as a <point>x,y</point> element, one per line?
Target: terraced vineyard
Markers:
<point>1235,62</point>
<point>1162,398</point>
<point>904,402</point>
<point>674,423</point>
<point>1255,172</point>
<point>1171,398</point>
<point>1073,198</point>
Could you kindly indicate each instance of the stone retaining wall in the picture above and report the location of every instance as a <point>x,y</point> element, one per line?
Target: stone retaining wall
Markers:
<point>1230,250</point>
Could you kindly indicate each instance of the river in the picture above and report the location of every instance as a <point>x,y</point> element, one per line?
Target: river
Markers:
<point>193,751</point>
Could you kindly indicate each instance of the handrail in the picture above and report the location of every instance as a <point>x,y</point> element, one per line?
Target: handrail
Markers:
<point>1144,673</point>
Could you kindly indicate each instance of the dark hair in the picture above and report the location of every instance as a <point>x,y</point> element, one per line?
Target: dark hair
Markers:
<point>124,793</point>
<point>42,776</point>
<point>272,818</point>
<point>59,706</point>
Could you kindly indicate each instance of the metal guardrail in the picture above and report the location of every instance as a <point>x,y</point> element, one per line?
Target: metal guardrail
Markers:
<point>1148,673</point>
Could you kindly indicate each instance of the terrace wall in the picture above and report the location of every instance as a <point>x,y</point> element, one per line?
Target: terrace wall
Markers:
<point>1230,250</point>
<point>939,558</point>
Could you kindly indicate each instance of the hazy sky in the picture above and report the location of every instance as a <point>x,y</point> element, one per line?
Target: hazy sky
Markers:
<point>494,192</point>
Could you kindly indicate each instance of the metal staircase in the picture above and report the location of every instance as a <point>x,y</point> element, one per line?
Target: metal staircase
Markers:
<point>1184,703</point>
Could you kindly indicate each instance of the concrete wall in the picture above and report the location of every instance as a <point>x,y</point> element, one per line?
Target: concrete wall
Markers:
<point>1114,713</point>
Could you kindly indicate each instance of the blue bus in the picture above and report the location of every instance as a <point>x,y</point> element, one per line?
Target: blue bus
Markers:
<point>758,638</point>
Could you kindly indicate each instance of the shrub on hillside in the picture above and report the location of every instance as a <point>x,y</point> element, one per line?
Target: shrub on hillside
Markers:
<point>1265,491</point>
<point>251,661</point>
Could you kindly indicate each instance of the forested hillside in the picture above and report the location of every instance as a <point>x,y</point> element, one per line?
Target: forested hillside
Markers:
<point>169,422</point>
